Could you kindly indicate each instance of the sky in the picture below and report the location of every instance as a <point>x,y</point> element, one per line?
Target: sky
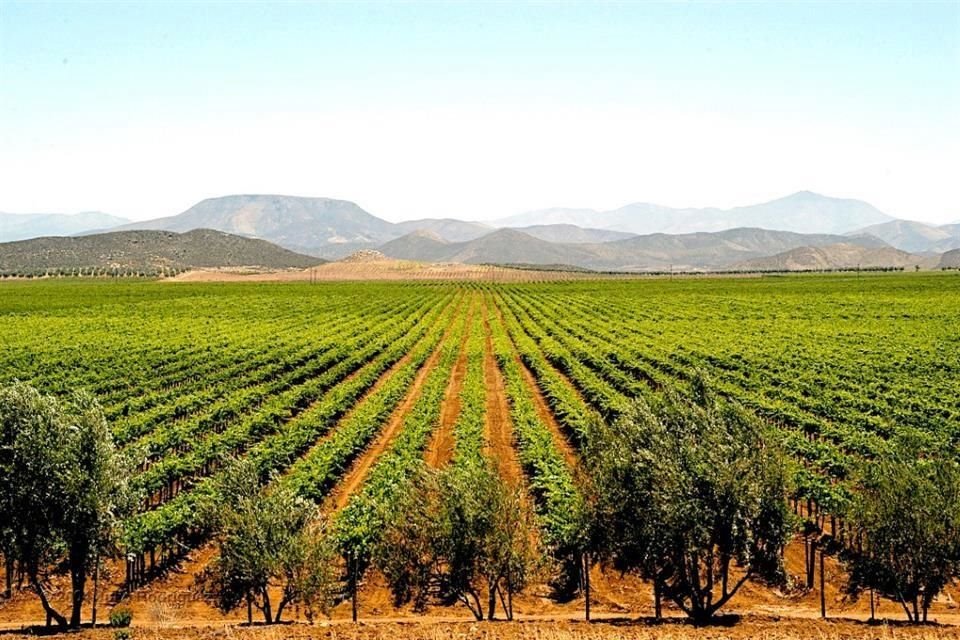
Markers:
<point>478,110</point>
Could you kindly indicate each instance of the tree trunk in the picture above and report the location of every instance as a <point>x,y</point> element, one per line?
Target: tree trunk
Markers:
<point>657,599</point>
<point>8,589</point>
<point>249,611</point>
<point>52,613</point>
<point>78,582</point>
<point>492,602</point>
<point>873,611</point>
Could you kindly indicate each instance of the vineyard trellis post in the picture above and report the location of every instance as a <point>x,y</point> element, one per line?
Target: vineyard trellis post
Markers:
<point>96,587</point>
<point>823,595</point>
<point>586,584</point>
<point>353,585</point>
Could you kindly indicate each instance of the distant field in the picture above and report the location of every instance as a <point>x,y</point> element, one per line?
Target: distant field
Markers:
<point>321,383</point>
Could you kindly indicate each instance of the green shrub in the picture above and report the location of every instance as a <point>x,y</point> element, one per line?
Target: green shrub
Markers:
<point>121,616</point>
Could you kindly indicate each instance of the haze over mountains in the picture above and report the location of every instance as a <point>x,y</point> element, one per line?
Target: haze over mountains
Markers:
<point>802,212</point>
<point>20,226</point>
<point>636,237</point>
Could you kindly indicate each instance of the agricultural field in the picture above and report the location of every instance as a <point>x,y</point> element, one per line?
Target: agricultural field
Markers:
<point>339,393</point>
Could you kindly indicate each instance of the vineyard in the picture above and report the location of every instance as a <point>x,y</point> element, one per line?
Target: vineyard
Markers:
<point>340,393</point>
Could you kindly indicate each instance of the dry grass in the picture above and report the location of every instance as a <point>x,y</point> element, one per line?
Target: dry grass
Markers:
<point>750,627</point>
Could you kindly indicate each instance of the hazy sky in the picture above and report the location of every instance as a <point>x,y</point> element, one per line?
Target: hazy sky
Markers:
<point>478,110</point>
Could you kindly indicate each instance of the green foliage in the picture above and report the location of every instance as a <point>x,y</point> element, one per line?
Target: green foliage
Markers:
<point>459,534</point>
<point>686,490</point>
<point>121,616</point>
<point>907,509</point>
<point>268,541</point>
<point>62,487</point>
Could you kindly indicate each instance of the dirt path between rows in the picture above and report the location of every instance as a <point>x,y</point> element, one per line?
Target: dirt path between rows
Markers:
<point>546,415</point>
<point>440,449</point>
<point>499,427</point>
<point>357,473</point>
<point>544,412</point>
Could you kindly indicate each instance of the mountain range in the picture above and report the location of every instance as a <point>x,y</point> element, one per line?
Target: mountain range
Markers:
<point>802,212</point>
<point>20,226</point>
<point>654,252</point>
<point>637,237</point>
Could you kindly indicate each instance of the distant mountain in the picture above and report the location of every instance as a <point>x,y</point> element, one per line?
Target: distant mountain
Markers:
<point>572,233</point>
<point>503,246</point>
<point>147,251</point>
<point>950,260</point>
<point>803,212</point>
<point>698,251</point>
<point>20,226</point>
<point>325,227</point>
<point>835,256</point>
<point>915,237</point>
<point>319,226</point>
<point>447,228</point>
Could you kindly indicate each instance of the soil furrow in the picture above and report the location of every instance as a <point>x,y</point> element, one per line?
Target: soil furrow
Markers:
<point>440,450</point>
<point>498,425</point>
<point>357,473</point>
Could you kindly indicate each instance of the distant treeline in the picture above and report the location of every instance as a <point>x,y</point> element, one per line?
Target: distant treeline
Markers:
<point>92,272</point>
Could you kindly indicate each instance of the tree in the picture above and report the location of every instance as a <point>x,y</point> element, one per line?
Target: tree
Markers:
<point>907,510</point>
<point>268,542</point>
<point>460,534</point>
<point>689,493</point>
<point>62,486</point>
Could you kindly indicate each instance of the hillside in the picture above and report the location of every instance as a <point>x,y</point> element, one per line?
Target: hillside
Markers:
<point>915,237</point>
<point>320,226</point>
<point>573,234</point>
<point>504,246</point>
<point>950,260</point>
<point>802,212</point>
<point>147,251</point>
<point>835,256</point>
<point>449,229</point>
<point>20,226</point>
<point>655,252</point>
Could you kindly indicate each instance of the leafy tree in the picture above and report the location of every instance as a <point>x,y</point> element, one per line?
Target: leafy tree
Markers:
<point>690,494</point>
<point>62,488</point>
<point>907,509</point>
<point>268,542</point>
<point>461,534</point>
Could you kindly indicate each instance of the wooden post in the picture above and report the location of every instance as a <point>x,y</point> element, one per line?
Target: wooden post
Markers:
<point>96,584</point>
<point>586,583</point>
<point>353,588</point>
<point>823,595</point>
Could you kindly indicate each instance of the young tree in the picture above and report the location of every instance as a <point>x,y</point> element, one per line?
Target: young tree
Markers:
<point>62,486</point>
<point>461,534</point>
<point>269,542</point>
<point>690,494</point>
<point>907,509</point>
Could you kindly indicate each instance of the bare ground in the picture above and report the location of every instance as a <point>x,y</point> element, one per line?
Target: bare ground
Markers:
<point>498,424</point>
<point>440,448</point>
<point>384,269</point>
